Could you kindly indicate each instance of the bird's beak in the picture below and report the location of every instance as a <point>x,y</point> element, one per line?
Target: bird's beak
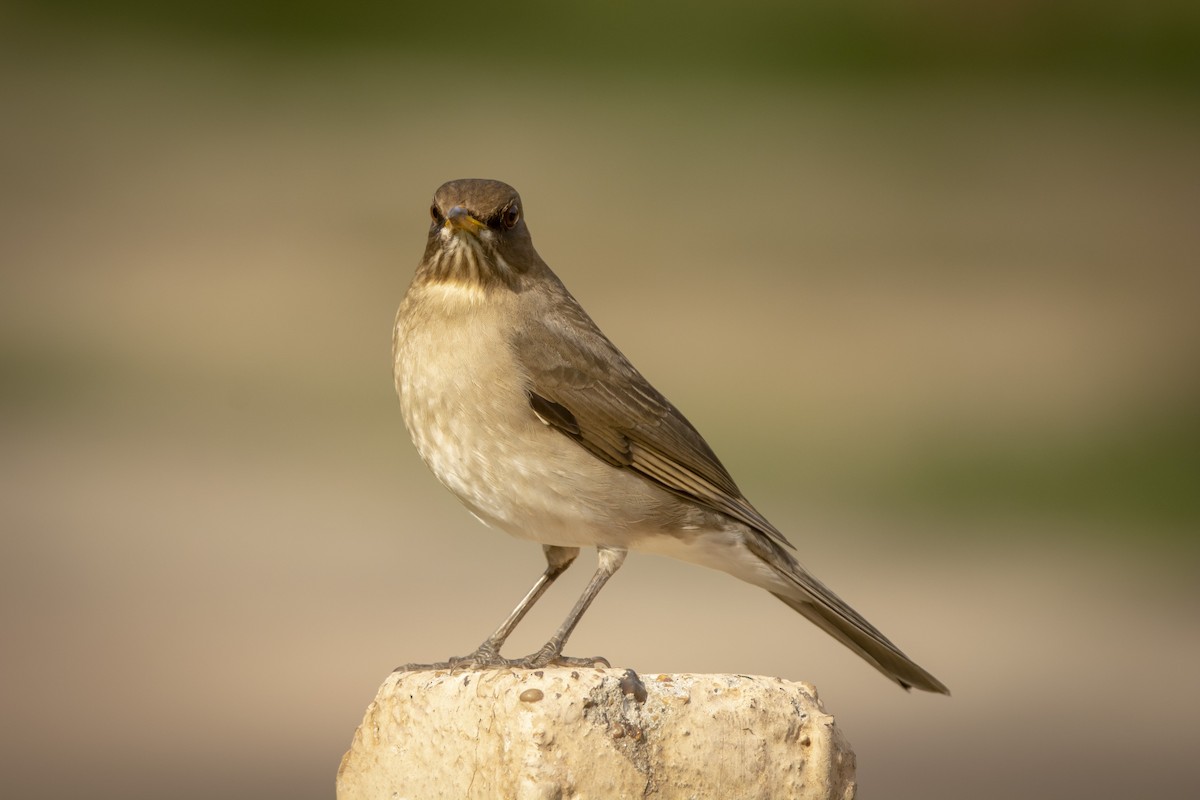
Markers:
<point>459,218</point>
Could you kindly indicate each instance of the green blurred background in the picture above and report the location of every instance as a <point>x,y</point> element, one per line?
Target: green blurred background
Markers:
<point>925,274</point>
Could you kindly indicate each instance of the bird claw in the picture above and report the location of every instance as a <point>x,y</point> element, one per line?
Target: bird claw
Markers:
<point>484,659</point>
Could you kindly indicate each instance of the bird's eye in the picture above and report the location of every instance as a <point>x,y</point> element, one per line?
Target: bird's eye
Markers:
<point>434,214</point>
<point>511,216</point>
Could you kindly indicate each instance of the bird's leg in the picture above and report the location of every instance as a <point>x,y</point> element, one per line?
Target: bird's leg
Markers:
<point>488,653</point>
<point>611,559</point>
<point>557,561</point>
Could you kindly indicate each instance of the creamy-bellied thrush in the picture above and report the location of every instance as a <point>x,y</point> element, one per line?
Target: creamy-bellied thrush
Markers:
<point>543,429</point>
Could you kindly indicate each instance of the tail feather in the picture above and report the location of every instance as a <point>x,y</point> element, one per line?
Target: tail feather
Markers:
<point>875,649</point>
<point>831,614</point>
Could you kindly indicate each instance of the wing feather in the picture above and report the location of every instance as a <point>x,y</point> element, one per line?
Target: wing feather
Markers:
<point>581,385</point>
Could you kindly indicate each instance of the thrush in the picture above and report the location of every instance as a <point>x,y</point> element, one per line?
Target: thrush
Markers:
<point>525,410</point>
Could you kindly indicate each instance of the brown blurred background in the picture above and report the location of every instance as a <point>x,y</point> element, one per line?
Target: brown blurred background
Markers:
<point>925,276</point>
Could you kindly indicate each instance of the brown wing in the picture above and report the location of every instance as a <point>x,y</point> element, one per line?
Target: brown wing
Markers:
<point>581,385</point>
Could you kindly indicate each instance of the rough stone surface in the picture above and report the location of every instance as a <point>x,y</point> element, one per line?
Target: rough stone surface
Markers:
<point>577,734</point>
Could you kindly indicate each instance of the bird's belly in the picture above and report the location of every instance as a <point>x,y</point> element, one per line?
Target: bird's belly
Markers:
<point>524,478</point>
<point>470,419</point>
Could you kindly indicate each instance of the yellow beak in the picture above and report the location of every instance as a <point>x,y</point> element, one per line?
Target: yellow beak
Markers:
<point>459,217</point>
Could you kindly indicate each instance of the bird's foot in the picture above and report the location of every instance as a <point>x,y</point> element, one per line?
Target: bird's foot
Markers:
<point>488,658</point>
<point>551,656</point>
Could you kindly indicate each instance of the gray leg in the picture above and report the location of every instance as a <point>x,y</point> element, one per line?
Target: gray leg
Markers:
<point>611,559</point>
<point>488,653</point>
<point>557,561</point>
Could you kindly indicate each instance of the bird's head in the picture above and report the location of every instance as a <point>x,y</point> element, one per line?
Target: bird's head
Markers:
<point>478,235</point>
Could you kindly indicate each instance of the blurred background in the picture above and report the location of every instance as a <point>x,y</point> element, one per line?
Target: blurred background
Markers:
<point>924,274</point>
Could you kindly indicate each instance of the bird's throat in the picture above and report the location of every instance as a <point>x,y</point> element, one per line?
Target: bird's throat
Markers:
<point>464,260</point>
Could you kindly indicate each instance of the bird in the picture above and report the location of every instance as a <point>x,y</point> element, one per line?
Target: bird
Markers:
<point>543,429</point>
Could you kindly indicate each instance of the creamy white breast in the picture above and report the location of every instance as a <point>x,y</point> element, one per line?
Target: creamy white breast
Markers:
<point>463,397</point>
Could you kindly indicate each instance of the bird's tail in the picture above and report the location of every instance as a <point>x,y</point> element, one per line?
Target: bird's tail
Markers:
<point>831,614</point>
